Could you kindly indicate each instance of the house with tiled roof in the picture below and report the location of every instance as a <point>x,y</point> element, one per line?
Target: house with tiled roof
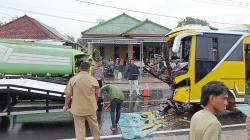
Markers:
<point>125,37</point>
<point>146,28</point>
<point>29,29</point>
<point>113,27</point>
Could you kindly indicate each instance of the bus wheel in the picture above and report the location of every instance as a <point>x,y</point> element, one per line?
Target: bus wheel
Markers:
<point>231,106</point>
<point>196,108</point>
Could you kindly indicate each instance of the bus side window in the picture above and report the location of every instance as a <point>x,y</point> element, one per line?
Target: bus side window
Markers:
<point>215,51</point>
<point>186,45</point>
<point>247,59</point>
<point>247,49</point>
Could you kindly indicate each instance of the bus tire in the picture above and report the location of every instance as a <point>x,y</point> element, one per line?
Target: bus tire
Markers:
<point>231,106</point>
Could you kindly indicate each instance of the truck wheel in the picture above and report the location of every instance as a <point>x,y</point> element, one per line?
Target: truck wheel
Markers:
<point>2,107</point>
<point>4,123</point>
<point>3,102</point>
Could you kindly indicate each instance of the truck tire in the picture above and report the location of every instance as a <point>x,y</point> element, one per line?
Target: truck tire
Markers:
<point>4,123</point>
<point>3,102</point>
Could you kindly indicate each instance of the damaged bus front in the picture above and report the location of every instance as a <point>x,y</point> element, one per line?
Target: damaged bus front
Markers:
<point>196,55</point>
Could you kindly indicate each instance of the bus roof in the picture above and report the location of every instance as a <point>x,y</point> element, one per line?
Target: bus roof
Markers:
<point>239,29</point>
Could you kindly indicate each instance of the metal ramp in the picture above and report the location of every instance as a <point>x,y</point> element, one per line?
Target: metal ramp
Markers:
<point>27,96</point>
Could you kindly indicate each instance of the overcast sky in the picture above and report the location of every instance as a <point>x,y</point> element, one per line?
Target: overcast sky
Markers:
<point>73,16</point>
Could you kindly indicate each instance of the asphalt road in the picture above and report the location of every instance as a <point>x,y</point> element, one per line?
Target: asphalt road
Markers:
<point>55,126</point>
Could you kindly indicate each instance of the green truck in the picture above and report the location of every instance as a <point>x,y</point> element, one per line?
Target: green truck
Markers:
<point>28,58</point>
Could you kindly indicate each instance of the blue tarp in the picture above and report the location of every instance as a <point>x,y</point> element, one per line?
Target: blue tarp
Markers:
<point>132,126</point>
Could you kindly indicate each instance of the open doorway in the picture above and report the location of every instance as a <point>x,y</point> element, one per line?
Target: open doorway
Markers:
<point>116,52</point>
<point>136,52</point>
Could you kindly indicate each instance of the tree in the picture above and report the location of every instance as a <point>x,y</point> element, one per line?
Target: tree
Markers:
<point>100,21</point>
<point>191,20</point>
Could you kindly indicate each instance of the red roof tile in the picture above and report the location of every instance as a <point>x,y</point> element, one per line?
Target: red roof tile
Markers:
<point>26,27</point>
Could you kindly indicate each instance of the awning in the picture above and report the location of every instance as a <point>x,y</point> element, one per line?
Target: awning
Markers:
<point>138,40</point>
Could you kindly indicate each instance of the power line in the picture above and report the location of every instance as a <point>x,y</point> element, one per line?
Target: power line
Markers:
<point>5,14</point>
<point>231,2</point>
<point>67,11</point>
<point>73,19</point>
<point>239,2</point>
<point>60,17</point>
<point>130,10</point>
<point>45,14</point>
<point>148,13</point>
<point>226,3</point>
<point>56,16</point>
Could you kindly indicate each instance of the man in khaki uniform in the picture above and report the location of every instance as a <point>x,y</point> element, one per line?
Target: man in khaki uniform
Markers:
<point>84,91</point>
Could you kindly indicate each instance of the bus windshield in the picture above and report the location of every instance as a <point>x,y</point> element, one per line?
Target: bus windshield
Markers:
<point>179,52</point>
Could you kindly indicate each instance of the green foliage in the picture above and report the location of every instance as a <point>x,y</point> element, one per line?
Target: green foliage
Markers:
<point>191,20</point>
<point>96,54</point>
<point>100,21</point>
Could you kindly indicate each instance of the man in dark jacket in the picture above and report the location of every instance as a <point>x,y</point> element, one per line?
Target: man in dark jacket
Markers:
<point>133,72</point>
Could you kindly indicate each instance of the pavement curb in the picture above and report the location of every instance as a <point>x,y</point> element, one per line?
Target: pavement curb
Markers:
<point>164,132</point>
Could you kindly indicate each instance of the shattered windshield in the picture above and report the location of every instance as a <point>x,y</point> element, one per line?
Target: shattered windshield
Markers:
<point>179,60</point>
<point>183,51</point>
<point>172,63</point>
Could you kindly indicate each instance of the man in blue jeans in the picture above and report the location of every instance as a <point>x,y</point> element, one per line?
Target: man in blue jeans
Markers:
<point>115,95</point>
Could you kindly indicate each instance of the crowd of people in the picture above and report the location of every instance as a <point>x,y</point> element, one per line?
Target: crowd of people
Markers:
<point>118,69</point>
